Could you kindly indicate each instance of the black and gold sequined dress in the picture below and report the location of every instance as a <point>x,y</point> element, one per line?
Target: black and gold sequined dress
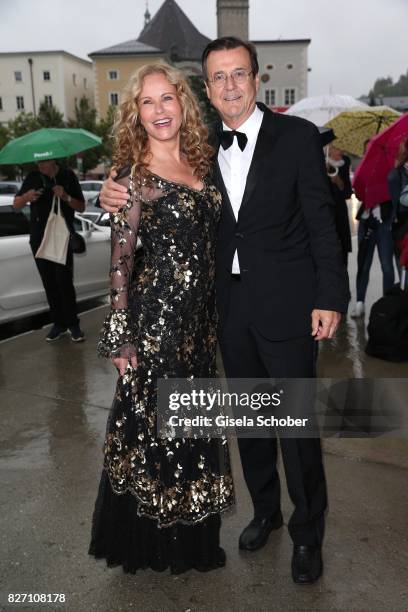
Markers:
<point>159,501</point>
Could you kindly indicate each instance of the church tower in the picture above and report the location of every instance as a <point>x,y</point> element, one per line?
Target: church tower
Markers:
<point>147,16</point>
<point>232,18</point>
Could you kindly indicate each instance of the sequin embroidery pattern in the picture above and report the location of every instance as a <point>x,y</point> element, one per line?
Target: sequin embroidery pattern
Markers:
<point>163,311</point>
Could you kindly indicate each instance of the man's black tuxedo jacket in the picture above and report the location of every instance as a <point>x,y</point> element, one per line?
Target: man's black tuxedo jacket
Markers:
<point>289,253</point>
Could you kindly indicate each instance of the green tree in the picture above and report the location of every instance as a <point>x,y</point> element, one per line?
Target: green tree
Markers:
<point>4,135</point>
<point>50,117</point>
<point>381,86</point>
<point>85,118</point>
<point>104,130</point>
<point>23,124</point>
<point>401,86</point>
<point>385,86</point>
<point>371,101</point>
<point>210,115</point>
<point>6,171</point>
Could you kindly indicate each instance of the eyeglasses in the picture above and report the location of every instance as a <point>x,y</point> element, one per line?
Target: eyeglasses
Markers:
<point>238,76</point>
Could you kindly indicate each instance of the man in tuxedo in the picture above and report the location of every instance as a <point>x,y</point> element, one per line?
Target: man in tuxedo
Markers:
<point>281,283</point>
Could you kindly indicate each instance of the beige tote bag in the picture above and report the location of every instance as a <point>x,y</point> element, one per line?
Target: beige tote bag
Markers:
<point>54,245</point>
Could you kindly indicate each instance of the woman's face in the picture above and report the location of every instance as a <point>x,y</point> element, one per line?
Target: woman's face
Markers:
<point>159,108</point>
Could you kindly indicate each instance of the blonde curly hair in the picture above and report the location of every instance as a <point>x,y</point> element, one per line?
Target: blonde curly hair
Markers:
<point>131,144</point>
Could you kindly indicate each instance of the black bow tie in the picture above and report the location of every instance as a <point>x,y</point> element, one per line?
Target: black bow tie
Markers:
<point>227,138</point>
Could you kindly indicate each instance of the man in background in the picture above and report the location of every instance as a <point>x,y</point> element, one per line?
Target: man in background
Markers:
<point>38,191</point>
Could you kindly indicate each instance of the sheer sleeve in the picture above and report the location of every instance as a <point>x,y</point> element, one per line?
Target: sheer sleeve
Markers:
<point>117,337</point>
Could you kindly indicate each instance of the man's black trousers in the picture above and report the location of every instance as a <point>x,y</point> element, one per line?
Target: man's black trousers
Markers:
<point>58,281</point>
<point>248,354</point>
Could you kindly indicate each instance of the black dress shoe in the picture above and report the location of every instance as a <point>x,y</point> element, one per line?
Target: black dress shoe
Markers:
<point>256,534</point>
<point>307,564</point>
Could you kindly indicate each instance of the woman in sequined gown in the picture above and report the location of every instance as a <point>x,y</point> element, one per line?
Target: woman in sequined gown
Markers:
<point>159,501</point>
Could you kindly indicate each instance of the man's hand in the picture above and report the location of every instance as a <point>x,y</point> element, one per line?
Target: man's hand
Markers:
<point>113,196</point>
<point>324,323</point>
<point>121,363</point>
<point>60,192</point>
<point>32,195</point>
<point>29,196</point>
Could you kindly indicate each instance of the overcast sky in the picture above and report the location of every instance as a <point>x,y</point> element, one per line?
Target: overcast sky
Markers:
<point>353,41</point>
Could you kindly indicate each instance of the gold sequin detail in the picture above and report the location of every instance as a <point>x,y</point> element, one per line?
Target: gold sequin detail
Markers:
<point>163,310</point>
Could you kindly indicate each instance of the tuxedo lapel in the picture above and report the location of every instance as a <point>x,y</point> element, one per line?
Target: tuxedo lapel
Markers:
<point>221,186</point>
<point>219,181</point>
<point>263,146</point>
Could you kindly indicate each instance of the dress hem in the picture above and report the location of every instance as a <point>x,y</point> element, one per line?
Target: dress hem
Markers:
<point>173,570</point>
<point>228,509</point>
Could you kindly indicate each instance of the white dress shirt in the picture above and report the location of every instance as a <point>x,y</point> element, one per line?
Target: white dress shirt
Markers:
<point>234,165</point>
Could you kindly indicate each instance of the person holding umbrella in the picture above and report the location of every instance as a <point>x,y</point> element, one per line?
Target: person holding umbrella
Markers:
<point>356,126</point>
<point>374,229</point>
<point>371,185</point>
<point>338,171</point>
<point>38,191</point>
<point>398,187</point>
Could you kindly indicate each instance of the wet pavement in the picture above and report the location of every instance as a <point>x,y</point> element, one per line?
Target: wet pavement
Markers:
<point>54,404</point>
<point>41,319</point>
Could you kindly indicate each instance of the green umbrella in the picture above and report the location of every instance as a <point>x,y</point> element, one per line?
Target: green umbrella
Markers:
<point>48,143</point>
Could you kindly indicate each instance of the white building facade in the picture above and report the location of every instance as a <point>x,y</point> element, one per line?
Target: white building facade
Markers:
<point>283,63</point>
<point>29,78</point>
<point>283,71</point>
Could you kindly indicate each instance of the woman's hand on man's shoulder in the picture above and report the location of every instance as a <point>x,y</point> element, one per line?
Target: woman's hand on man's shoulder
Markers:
<point>113,195</point>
